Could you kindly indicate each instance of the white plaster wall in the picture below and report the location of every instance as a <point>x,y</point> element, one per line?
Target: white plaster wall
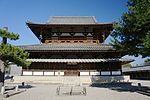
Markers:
<point>15,70</point>
<point>27,73</point>
<point>116,72</point>
<point>61,73</point>
<point>94,73</point>
<point>49,73</point>
<point>56,73</point>
<point>37,73</point>
<point>84,73</point>
<point>126,78</point>
<point>105,72</point>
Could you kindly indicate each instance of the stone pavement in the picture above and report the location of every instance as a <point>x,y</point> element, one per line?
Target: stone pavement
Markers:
<point>48,92</point>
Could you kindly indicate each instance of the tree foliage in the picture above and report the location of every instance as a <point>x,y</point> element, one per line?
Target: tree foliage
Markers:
<point>13,54</point>
<point>132,32</point>
<point>9,53</point>
<point>6,34</point>
<point>147,61</point>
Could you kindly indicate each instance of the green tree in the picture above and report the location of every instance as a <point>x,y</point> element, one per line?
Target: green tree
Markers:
<point>132,32</point>
<point>147,61</point>
<point>9,53</point>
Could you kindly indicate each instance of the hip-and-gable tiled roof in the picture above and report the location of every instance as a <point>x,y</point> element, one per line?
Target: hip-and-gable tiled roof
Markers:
<point>72,20</point>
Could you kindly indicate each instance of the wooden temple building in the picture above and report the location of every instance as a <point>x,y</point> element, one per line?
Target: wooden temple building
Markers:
<point>138,72</point>
<point>72,46</point>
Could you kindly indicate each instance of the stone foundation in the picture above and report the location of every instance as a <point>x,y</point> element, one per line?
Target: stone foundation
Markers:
<point>60,79</point>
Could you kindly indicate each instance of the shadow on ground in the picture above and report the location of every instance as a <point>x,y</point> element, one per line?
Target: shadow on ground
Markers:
<point>26,86</point>
<point>123,87</point>
<point>13,87</point>
<point>11,90</point>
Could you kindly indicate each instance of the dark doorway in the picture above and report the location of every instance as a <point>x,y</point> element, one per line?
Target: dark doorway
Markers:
<point>72,73</point>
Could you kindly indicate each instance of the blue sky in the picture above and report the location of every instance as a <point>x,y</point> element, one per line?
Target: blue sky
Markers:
<point>14,13</point>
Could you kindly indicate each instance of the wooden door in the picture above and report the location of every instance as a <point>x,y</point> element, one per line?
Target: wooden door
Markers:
<point>72,73</point>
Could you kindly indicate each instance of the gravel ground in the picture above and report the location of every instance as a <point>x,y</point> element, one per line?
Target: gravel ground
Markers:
<point>48,92</point>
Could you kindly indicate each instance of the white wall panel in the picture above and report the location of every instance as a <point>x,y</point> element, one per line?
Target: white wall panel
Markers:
<point>37,73</point>
<point>84,73</point>
<point>94,73</point>
<point>27,73</point>
<point>56,73</point>
<point>116,72</point>
<point>105,72</point>
<point>49,73</point>
<point>62,73</point>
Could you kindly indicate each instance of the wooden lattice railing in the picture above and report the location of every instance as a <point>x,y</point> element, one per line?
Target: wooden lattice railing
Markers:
<point>71,41</point>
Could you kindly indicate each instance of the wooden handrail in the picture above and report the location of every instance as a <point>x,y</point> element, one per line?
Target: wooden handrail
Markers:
<point>71,41</point>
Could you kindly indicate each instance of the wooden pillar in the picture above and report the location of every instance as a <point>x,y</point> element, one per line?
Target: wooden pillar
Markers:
<point>120,68</point>
<point>72,32</point>
<point>110,68</point>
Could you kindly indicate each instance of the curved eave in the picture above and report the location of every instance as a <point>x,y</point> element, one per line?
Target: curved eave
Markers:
<point>127,61</point>
<point>97,24</point>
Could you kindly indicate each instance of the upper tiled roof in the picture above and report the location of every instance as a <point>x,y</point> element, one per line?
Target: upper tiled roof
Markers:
<point>68,47</point>
<point>72,20</point>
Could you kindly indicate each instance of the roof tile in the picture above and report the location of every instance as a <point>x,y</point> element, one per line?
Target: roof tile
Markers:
<point>67,47</point>
<point>72,20</point>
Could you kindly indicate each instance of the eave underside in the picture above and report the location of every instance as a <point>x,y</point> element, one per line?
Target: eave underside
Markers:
<point>97,29</point>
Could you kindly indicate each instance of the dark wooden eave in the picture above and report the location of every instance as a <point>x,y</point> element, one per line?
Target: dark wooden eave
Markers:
<point>38,29</point>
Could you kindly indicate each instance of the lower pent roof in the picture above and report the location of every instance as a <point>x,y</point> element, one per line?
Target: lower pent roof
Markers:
<point>68,47</point>
<point>80,60</point>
